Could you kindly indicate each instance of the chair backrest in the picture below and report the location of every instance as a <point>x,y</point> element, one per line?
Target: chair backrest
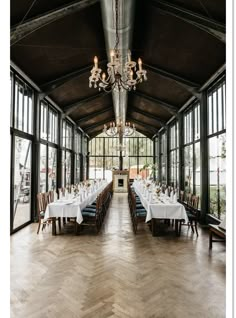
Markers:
<point>189,198</point>
<point>195,201</point>
<point>41,202</point>
<point>50,196</point>
<point>181,196</point>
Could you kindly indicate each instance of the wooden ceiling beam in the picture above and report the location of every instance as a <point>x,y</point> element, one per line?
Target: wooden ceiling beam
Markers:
<point>22,30</point>
<point>190,86</point>
<point>148,115</point>
<point>204,23</point>
<point>102,122</point>
<point>94,114</point>
<point>49,87</point>
<point>145,125</point>
<point>172,109</point>
<point>70,108</point>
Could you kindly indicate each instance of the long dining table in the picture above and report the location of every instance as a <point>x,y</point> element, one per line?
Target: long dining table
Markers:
<point>160,208</point>
<point>72,206</point>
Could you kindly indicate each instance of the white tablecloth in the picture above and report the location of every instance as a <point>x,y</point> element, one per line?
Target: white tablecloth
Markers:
<point>160,210</point>
<point>72,208</point>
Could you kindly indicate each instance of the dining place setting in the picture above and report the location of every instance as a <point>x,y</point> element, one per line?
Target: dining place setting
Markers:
<point>161,204</point>
<point>71,201</point>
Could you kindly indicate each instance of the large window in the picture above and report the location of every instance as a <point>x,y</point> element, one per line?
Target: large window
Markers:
<point>77,149</point>
<point>48,147</point>
<point>104,155</point>
<point>23,107</point>
<point>163,157</point>
<point>67,136</point>
<point>174,155</point>
<point>191,151</point>
<point>22,181</point>
<point>217,150</point>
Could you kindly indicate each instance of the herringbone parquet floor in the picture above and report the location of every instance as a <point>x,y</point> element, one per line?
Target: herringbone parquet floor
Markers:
<point>115,273</point>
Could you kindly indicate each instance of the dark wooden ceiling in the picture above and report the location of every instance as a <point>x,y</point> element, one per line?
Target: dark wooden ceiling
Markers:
<point>181,42</point>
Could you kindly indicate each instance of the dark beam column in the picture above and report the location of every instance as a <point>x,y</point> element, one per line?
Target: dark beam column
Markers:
<point>167,155</point>
<point>59,152</point>
<point>159,157</point>
<point>204,157</point>
<point>35,158</point>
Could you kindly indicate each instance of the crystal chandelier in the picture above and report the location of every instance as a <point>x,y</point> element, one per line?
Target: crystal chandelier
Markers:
<point>119,129</point>
<point>117,79</point>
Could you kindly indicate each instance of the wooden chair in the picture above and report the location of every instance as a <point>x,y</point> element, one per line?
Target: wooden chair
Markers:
<point>215,230</point>
<point>92,215</point>
<point>138,215</point>
<point>41,208</point>
<point>193,212</point>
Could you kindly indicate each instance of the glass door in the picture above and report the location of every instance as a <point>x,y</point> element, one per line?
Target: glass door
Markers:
<point>21,181</point>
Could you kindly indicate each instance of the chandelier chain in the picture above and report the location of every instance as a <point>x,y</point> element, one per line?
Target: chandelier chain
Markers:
<point>117,33</point>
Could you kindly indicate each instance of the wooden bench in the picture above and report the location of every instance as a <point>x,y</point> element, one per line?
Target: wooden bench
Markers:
<point>214,229</point>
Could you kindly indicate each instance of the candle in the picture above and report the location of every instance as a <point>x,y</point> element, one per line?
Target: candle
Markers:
<point>131,74</point>
<point>103,76</point>
<point>112,54</point>
<point>95,61</point>
<point>129,56</point>
<point>140,64</point>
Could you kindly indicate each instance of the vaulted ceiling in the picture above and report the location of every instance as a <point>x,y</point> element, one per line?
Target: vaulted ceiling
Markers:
<point>181,43</point>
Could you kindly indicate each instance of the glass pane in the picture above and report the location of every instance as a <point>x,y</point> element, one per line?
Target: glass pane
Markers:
<point>92,168</point>
<point>30,131</point>
<point>63,167</point>
<point>43,167</point>
<point>214,109</point>
<point>197,122</point>
<point>22,182</point>
<point>217,165</point>
<point>43,123</point>
<point>52,168</point>
<point>77,168</point>
<point>68,168</point>
<point>188,168</point>
<point>197,170</point>
<point>220,109</point>
<point>210,122</point>
<point>224,106</point>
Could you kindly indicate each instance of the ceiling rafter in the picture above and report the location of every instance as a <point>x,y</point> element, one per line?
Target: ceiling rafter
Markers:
<point>172,109</point>
<point>148,115</point>
<point>204,23</point>
<point>70,108</point>
<point>94,114</point>
<point>49,87</point>
<point>102,122</point>
<point>20,31</point>
<point>190,86</point>
<point>145,125</point>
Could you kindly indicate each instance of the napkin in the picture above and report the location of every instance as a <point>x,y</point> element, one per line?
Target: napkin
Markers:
<point>166,192</point>
<point>172,195</point>
<point>175,198</point>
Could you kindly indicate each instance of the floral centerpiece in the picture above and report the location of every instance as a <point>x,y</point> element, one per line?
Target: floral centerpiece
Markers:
<point>149,166</point>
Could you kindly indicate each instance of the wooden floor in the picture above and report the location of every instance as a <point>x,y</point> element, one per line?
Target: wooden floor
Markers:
<point>116,274</point>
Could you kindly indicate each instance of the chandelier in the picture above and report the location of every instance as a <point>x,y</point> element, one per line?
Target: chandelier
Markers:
<point>119,129</point>
<point>117,78</point>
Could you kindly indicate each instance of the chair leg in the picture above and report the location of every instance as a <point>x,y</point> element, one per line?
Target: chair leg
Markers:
<point>196,228</point>
<point>210,240</point>
<point>39,226</point>
<point>59,224</point>
<point>191,224</point>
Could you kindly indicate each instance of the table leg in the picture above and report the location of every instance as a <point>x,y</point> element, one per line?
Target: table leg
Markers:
<point>54,231</point>
<point>153,227</point>
<point>210,240</point>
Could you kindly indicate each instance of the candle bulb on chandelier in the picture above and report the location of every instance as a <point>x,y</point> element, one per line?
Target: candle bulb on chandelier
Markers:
<point>131,74</point>
<point>103,76</point>
<point>95,62</point>
<point>112,54</point>
<point>129,56</point>
<point>140,64</point>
